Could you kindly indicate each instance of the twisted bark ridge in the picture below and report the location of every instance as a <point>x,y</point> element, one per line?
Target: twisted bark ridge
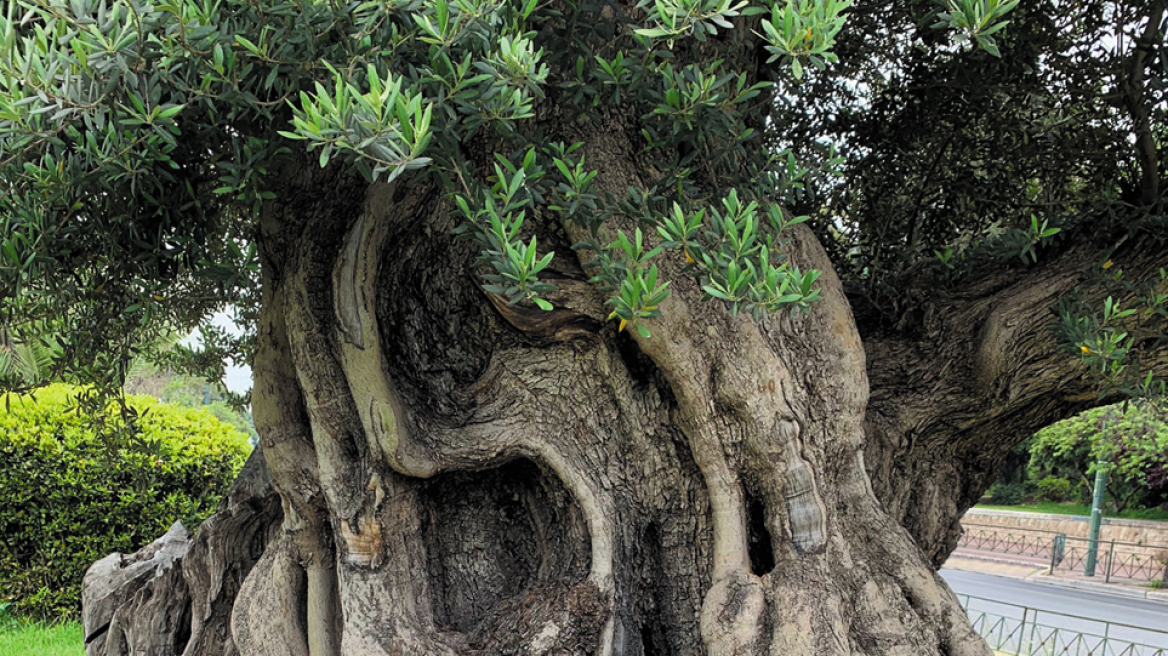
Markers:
<point>443,471</point>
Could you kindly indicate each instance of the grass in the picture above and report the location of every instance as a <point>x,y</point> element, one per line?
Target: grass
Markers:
<point>34,639</point>
<point>1050,507</point>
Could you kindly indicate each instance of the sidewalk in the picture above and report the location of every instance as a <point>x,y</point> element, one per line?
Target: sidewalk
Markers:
<point>1029,569</point>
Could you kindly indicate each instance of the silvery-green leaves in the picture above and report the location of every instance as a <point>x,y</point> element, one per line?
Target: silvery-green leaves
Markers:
<point>1038,233</point>
<point>517,75</point>
<point>1112,339</point>
<point>384,130</point>
<point>160,121</point>
<point>804,29</point>
<point>516,264</point>
<point>572,196</point>
<point>674,19</point>
<point>494,221</point>
<point>1024,241</point>
<point>693,92</point>
<point>639,295</point>
<point>738,255</point>
<point>976,21</point>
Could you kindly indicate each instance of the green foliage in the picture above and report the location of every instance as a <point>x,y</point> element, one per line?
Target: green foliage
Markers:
<point>1111,340</point>
<point>495,225</point>
<point>673,19</point>
<point>1053,488</point>
<point>1084,493</point>
<point>959,164</point>
<point>384,127</point>
<point>639,294</point>
<point>735,256</point>
<point>1134,443</point>
<point>69,499</point>
<point>1007,494</point>
<point>186,391</point>
<point>140,139</point>
<point>26,359</point>
<point>139,143</point>
<point>804,28</point>
<point>975,21</point>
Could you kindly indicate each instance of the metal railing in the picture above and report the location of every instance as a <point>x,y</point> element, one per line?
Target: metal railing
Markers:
<point>1024,631</point>
<point>1116,560</point>
<point>999,540</point>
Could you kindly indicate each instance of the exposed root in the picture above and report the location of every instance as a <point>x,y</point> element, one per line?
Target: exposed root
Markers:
<point>734,616</point>
<point>269,617</point>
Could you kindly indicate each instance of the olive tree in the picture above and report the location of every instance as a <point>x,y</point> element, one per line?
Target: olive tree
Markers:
<point>678,327</point>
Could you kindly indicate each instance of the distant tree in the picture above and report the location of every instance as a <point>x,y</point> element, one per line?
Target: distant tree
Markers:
<point>26,360</point>
<point>188,391</point>
<point>1133,443</point>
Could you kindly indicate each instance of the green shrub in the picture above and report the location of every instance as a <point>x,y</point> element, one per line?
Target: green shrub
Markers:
<point>1053,488</point>
<point>68,499</point>
<point>1007,494</point>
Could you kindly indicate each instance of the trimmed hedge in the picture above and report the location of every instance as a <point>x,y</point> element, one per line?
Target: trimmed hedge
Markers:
<point>67,500</point>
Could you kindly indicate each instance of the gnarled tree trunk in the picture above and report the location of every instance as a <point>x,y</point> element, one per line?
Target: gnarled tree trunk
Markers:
<point>459,476</point>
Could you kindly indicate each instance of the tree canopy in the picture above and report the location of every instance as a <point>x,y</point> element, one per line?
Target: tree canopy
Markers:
<point>137,137</point>
<point>1132,441</point>
<point>138,141</point>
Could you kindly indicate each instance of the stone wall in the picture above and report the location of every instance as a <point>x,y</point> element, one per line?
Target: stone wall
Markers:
<point>1131,535</point>
<point>1132,531</point>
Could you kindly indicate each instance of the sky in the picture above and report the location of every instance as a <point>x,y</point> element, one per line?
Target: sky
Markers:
<point>238,377</point>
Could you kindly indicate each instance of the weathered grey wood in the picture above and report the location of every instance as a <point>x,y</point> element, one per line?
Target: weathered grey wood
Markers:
<point>176,595</point>
<point>112,582</point>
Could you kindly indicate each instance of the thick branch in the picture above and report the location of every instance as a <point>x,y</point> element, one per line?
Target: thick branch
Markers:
<point>1132,87</point>
<point>983,371</point>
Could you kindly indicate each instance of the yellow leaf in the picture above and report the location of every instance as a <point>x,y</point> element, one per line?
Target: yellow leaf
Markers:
<point>1086,349</point>
<point>1107,264</point>
<point>623,323</point>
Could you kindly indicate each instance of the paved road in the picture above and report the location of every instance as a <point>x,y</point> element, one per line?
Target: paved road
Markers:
<point>1130,616</point>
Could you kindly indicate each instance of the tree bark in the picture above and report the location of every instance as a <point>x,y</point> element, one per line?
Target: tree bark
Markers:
<point>176,595</point>
<point>456,479</point>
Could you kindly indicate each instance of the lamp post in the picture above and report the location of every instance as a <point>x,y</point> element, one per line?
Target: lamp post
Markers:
<point>1096,517</point>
